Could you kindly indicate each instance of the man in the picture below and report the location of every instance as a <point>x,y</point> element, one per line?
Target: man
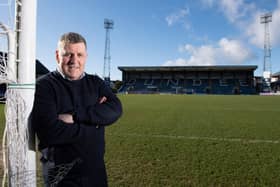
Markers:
<point>71,109</point>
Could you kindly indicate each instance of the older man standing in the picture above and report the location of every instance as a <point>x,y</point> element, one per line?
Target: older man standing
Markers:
<point>71,109</point>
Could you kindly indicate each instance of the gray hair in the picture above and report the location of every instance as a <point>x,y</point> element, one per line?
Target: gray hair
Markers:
<point>70,38</point>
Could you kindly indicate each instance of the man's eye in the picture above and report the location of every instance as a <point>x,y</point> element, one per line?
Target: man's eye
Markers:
<point>67,55</point>
<point>80,55</point>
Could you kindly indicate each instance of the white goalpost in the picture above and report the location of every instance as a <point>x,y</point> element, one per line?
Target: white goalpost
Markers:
<point>17,65</point>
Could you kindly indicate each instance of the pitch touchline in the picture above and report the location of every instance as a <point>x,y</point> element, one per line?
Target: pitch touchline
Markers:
<point>199,138</point>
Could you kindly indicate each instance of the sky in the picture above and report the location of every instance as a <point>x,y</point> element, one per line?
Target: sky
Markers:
<point>160,32</point>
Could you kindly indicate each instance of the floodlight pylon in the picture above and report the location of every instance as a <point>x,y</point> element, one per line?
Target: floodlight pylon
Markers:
<point>265,19</point>
<point>108,25</point>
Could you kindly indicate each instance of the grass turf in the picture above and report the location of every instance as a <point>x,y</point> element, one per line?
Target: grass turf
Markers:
<point>190,140</point>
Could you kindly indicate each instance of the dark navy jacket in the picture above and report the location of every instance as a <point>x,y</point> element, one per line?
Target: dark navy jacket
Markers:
<point>81,143</point>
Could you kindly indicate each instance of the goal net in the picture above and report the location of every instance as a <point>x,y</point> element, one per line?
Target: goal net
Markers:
<point>17,73</point>
<point>18,160</point>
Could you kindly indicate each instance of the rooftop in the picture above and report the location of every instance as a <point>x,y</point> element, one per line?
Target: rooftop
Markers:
<point>187,68</point>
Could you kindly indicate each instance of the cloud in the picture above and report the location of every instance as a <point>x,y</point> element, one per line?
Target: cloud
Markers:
<point>246,16</point>
<point>177,62</point>
<point>255,30</point>
<point>208,3</point>
<point>234,52</point>
<point>236,10</point>
<point>178,17</point>
<point>224,52</point>
<point>275,37</point>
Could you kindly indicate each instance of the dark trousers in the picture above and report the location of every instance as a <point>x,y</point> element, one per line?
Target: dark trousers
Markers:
<point>64,175</point>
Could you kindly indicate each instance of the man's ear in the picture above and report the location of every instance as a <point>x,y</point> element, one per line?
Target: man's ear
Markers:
<point>57,56</point>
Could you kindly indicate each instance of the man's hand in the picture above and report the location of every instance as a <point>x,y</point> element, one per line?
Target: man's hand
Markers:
<point>102,100</point>
<point>67,118</point>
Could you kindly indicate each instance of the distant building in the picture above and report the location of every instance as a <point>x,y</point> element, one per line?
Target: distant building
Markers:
<point>189,79</point>
<point>40,70</point>
<point>275,82</point>
<point>276,76</point>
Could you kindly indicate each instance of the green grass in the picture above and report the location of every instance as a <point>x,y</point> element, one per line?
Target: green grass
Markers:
<point>190,140</point>
<point>187,140</point>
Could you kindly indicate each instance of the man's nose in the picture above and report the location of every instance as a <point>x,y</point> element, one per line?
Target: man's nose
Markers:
<point>74,58</point>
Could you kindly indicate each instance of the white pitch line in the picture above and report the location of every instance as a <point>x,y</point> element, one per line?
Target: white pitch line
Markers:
<point>199,138</point>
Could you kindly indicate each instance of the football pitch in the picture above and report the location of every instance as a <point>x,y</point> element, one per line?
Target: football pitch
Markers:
<point>194,140</point>
<point>190,140</point>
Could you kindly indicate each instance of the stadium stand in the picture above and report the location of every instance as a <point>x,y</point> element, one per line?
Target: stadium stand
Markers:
<point>188,79</point>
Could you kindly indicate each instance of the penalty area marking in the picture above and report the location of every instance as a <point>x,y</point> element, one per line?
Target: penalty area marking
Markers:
<point>253,141</point>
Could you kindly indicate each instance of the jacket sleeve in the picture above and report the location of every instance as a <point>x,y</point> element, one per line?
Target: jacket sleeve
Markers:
<point>101,114</point>
<point>44,119</point>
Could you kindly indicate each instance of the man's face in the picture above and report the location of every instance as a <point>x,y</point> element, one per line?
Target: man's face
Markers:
<point>72,59</point>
